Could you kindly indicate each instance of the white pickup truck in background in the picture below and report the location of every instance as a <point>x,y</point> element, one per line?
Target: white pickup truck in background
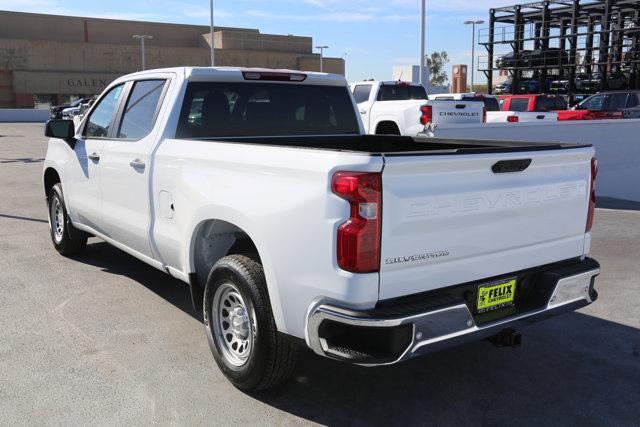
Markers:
<point>402,108</point>
<point>293,228</point>
<point>494,114</point>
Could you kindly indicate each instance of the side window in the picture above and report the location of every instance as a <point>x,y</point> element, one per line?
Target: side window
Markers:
<point>361,93</point>
<point>595,103</point>
<point>617,101</point>
<point>417,92</point>
<point>519,104</point>
<point>545,104</point>
<point>100,120</point>
<point>140,111</point>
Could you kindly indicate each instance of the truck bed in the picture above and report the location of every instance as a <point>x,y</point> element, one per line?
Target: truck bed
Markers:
<point>390,145</point>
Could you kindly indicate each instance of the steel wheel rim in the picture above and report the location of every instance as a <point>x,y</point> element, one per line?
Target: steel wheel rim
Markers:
<point>57,220</point>
<point>234,326</point>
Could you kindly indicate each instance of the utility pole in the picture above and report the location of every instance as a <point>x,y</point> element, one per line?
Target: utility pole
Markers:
<point>423,73</point>
<point>473,24</point>
<point>322,48</point>
<point>142,37</point>
<point>213,52</point>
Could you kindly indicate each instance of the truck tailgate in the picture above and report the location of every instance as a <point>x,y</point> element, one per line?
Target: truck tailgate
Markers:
<point>450,219</point>
<point>445,111</point>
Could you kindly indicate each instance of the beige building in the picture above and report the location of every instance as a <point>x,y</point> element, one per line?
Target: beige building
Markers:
<point>48,59</point>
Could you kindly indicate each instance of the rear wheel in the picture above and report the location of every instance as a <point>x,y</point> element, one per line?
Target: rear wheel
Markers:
<point>240,327</point>
<point>67,239</point>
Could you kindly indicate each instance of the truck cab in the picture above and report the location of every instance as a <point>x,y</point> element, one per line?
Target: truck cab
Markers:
<point>529,103</point>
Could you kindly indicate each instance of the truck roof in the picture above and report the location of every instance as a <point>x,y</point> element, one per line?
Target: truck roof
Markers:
<point>237,74</point>
<point>385,82</point>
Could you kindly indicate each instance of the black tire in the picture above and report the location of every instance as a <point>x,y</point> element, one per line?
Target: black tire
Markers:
<point>272,355</point>
<point>67,239</point>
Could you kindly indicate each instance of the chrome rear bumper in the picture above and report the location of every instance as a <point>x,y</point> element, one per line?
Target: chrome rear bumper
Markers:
<point>434,329</point>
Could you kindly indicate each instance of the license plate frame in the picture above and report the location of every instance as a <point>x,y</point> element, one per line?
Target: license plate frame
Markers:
<point>495,295</point>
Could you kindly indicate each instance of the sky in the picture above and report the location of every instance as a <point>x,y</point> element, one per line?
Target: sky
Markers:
<point>371,35</point>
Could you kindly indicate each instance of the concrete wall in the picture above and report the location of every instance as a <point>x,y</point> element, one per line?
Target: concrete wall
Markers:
<point>253,40</point>
<point>616,142</point>
<point>62,55</point>
<point>37,64</point>
<point>105,58</point>
<point>61,83</point>
<point>33,26</point>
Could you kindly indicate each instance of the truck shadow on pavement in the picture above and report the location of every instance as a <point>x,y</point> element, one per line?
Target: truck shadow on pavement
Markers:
<point>112,260</point>
<point>571,370</point>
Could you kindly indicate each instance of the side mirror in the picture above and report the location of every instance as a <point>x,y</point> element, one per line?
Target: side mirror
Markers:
<point>62,129</point>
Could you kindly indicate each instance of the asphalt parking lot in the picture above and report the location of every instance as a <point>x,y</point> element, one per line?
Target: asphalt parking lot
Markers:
<point>105,339</point>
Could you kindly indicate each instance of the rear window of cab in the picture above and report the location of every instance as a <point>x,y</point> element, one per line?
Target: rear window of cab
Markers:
<point>216,109</point>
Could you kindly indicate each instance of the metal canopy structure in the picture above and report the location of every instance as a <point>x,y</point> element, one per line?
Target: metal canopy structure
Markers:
<point>569,37</point>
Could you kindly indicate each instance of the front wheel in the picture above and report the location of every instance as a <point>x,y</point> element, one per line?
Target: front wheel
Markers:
<point>67,239</point>
<point>240,327</point>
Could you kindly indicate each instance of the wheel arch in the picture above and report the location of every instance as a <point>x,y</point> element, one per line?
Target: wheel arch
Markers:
<point>212,239</point>
<point>388,124</point>
<point>50,178</point>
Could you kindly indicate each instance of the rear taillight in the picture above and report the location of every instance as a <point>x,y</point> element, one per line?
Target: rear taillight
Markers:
<point>427,114</point>
<point>513,119</point>
<point>484,114</point>
<point>358,240</point>
<point>592,195</point>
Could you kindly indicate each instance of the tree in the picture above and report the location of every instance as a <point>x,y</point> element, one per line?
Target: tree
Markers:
<point>479,88</point>
<point>437,74</point>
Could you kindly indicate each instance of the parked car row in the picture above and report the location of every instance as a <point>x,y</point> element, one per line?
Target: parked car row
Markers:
<point>590,83</point>
<point>583,83</point>
<point>67,111</point>
<point>605,105</point>
<point>402,108</point>
<point>552,57</point>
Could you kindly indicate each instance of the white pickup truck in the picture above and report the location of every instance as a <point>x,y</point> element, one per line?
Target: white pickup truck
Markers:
<point>494,113</point>
<point>402,108</point>
<point>293,228</point>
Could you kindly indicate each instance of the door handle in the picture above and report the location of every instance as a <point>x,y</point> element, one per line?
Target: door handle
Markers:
<point>137,164</point>
<point>363,111</point>
<point>95,157</point>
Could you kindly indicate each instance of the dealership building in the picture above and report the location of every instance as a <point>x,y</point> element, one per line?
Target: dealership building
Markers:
<point>48,59</point>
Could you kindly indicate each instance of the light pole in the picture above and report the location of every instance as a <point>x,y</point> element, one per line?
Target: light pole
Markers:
<point>473,24</point>
<point>423,12</point>
<point>322,48</point>
<point>213,52</point>
<point>142,37</point>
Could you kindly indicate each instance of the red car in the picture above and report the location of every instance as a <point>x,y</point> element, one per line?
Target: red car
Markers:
<point>532,102</point>
<point>604,105</point>
<point>588,115</point>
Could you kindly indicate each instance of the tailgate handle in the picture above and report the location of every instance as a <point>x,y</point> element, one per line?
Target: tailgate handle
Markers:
<point>461,106</point>
<point>507,166</point>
